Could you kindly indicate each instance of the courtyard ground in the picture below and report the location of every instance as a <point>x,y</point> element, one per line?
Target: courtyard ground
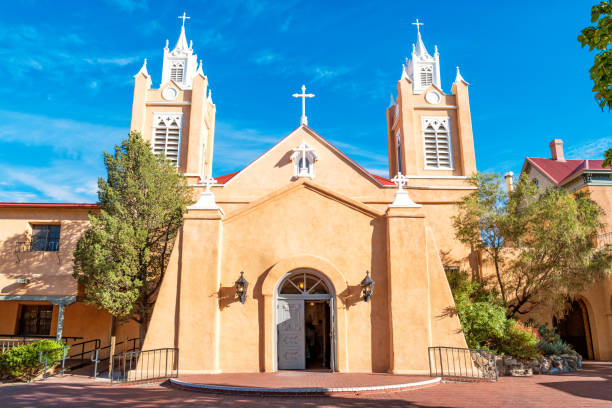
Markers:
<point>591,387</point>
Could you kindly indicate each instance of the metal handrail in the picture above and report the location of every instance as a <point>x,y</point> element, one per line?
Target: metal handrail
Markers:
<point>65,339</point>
<point>47,362</point>
<point>145,365</point>
<point>83,344</point>
<point>95,354</point>
<point>7,344</point>
<point>604,239</point>
<point>462,363</point>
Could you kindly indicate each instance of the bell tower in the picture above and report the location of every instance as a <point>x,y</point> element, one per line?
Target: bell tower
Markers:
<point>429,132</point>
<point>178,118</point>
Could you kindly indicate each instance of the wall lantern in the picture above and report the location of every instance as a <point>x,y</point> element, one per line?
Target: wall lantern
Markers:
<point>368,287</point>
<point>241,287</point>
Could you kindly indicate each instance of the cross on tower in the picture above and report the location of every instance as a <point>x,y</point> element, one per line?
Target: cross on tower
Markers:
<point>303,95</point>
<point>418,24</point>
<point>400,180</point>
<point>184,17</point>
<point>208,181</point>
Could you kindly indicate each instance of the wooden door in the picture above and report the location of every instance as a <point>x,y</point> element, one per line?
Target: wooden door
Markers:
<point>290,334</point>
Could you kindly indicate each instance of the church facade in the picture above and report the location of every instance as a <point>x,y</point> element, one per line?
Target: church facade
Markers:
<point>302,259</point>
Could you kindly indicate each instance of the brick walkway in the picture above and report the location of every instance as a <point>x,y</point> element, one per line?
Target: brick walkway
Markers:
<point>591,387</point>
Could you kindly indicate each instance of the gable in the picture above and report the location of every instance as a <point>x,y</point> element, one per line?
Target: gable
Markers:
<point>275,169</point>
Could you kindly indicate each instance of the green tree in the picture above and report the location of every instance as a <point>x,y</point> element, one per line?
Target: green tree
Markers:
<point>599,37</point>
<point>540,242</point>
<point>121,259</point>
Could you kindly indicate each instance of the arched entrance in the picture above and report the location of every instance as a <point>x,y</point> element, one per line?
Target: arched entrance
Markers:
<point>574,328</point>
<point>305,322</point>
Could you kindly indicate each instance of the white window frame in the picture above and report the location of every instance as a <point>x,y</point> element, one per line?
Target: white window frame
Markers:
<point>445,121</point>
<point>168,117</point>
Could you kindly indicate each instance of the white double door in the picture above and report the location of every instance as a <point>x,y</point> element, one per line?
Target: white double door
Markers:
<point>291,337</point>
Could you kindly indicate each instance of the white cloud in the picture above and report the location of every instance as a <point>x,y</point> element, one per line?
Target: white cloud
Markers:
<point>593,149</point>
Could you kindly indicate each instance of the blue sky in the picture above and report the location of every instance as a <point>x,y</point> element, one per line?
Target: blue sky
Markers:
<point>67,70</point>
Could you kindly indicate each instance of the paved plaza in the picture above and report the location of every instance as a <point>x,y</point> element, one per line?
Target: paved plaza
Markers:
<point>591,387</point>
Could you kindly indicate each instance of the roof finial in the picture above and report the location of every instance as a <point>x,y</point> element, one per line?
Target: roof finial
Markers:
<point>459,78</point>
<point>303,95</point>
<point>416,24</point>
<point>184,17</point>
<point>143,69</point>
<point>200,71</point>
<point>209,96</point>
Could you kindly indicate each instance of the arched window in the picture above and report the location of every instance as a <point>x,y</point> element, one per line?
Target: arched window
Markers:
<point>399,153</point>
<point>304,284</point>
<point>303,158</point>
<point>176,71</point>
<point>426,76</point>
<point>437,143</point>
<point>167,135</point>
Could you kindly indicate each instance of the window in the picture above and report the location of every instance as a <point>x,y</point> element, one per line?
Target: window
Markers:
<point>426,76</point>
<point>437,146</point>
<point>45,238</point>
<point>176,72</point>
<point>304,284</point>
<point>167,135</point>
<point>35,320</point>
<point>303,158</point>
<point>399,152</point>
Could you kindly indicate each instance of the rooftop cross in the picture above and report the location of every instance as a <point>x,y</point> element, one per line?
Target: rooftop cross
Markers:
<point>208,181</point>
<point>184,17</point>
<point>418,24</point>
<point>400,180</point>
<point>303,95</point>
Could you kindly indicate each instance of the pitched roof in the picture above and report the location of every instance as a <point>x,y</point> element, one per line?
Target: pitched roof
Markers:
<point>377,179</point>
<point>561,171</point>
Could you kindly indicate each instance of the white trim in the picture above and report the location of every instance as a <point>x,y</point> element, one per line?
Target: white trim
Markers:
<point>440,177</point>
<point>436,106</point>
<point>439,168</point>
<point>167,103</point>
<point>440,188</point>
<point>192,174</point>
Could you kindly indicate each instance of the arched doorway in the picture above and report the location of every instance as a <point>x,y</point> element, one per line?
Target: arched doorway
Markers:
<point>305,322</point>
<point>574,328</point>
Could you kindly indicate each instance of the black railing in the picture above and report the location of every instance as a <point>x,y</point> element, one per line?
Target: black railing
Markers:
<point>81,350</point>
<point>145,365</point>
<point>462,363</point>
<point>101,355</point>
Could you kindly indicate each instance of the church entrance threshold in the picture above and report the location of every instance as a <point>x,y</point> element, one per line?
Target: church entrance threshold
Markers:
<point>304,323</point>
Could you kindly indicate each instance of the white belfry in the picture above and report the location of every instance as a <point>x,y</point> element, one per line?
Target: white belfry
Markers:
<point>402,199</point>
<point>303,95</point>
<point>304,156</point>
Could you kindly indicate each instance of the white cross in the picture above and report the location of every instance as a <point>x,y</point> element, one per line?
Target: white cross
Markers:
<point>400,180</point>
<point>208,181</point>
<point>184,17</point>
<point>418,24</point>
<point>303,95</point>
<point>302,150</point>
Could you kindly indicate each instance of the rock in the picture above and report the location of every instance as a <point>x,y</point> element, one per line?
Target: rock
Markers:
<point>572,364</point>
<point>521,372</point>
<point>554,370</point>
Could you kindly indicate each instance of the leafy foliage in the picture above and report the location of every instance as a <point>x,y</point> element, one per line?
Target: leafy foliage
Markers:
<point>599,37</point>
<point>520,340</point>
<point>121,259</point>
<point>540,242</point>
<point>23,362</point>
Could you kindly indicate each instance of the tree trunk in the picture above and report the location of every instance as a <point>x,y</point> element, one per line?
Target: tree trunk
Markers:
<point>499,279</point>
<point>144,325</point>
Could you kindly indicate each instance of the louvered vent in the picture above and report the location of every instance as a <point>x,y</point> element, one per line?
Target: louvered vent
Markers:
<point>176,72</point>
<point>436,136</point>
<point>167,136</point>
<point>426,76</point>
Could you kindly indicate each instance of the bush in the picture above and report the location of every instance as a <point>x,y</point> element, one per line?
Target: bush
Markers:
<point>551,343</point>
<point>22,362</point>
<point>483,323</point>
<point>520,340</point>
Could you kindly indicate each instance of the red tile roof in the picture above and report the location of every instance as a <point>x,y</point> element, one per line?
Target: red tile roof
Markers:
<point>385,181</point>
<point>48,205</point>
<point>559,171</point>
<point>226,177</point>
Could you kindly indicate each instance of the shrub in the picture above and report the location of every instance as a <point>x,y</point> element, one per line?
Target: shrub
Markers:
<point>520,340</point>
<point>22,362</point>
<point>483,323</point>
<point>551,343</point>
